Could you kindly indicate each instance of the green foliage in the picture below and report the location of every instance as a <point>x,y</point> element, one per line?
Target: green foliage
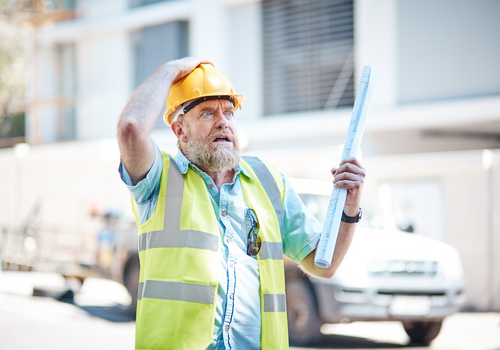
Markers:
<point>13,59</point>
<point>13,126</point>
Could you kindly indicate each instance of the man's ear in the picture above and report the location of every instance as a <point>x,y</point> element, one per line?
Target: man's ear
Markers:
<point>179,131</point>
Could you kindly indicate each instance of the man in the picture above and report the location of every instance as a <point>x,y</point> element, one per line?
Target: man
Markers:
<point>213,226</point>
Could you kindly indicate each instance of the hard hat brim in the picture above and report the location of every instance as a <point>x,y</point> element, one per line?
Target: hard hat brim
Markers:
<point>238,99</point>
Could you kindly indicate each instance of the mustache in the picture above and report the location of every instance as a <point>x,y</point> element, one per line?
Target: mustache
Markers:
<point>218,132</point>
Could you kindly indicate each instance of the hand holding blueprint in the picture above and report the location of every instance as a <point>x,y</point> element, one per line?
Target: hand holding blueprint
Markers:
<point>326,246</point>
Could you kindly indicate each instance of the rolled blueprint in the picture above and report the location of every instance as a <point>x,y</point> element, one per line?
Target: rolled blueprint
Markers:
<point>331,226</point>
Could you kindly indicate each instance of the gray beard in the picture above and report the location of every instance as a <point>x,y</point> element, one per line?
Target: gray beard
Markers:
<point>210,157</point>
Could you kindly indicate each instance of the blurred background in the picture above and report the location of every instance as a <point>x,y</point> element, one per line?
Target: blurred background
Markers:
<point>431,145</point>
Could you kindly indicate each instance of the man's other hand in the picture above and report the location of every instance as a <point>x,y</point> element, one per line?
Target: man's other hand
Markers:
<point>350,175</point>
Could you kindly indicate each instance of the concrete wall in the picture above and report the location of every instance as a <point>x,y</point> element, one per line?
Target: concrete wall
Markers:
<point>412,42</point>
<point>245,55</point>
<point>453,43</point>
<point>375,34</point>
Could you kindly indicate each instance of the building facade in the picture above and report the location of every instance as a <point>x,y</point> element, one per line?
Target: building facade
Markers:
<point>431,136</point>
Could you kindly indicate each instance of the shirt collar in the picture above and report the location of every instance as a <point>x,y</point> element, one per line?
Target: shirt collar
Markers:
<point>183,164</point>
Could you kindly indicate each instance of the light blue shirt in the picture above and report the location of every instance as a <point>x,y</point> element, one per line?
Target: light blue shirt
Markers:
<point>237,320</point>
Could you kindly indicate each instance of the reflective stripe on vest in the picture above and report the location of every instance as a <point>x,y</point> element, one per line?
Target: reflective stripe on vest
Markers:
<point>195,293</point>
<point>178,239</point>
<point>274,303</point>
<point>271,250</point>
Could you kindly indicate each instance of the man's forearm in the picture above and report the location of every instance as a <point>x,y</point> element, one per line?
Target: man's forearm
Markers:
<point>344,239</point>
<point>349,175</point>
<point>138,120</point>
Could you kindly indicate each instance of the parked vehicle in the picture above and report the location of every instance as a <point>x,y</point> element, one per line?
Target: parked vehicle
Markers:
<point>386,275</point>
<point>109,252</point>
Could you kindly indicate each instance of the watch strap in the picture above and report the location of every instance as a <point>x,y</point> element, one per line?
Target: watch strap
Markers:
<point>352,219</point>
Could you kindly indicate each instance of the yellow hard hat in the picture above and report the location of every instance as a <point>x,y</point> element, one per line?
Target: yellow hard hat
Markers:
<point>203,82</point>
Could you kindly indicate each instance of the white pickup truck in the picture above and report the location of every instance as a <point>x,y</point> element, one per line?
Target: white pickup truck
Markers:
<point>386,275</point>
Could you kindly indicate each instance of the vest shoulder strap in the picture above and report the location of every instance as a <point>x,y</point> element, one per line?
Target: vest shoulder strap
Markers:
<point>271,181</point>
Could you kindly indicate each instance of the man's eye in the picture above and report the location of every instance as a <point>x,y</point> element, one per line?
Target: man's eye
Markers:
<point>207,114</point>
<point>229,114</point>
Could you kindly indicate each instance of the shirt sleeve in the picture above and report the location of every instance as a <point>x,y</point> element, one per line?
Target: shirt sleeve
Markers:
<point>301,229</point>
<point>145,192</point>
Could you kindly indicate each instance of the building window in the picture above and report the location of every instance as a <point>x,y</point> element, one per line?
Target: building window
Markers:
<point>308,55</point>
<point>156,45</point>
<point>67,86</point>
<point>59,5</point>
<point>136,3</point>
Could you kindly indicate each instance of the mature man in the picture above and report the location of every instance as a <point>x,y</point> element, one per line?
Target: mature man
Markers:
<point>213,226</point>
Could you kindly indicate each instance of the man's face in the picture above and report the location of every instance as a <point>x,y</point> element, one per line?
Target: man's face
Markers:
<point>212,136</point>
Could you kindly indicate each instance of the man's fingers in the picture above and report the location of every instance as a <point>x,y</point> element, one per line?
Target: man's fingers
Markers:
<point>348,180</point>
<point>351,168</point>
<point>347,176</point>
<point>351,176</point>
<point>349,185</point>
<point>352,160</point>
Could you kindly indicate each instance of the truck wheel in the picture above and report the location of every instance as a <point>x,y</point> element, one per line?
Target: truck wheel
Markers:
<point>422,332</point>
<point>303,320</point>
<point>131,282</point>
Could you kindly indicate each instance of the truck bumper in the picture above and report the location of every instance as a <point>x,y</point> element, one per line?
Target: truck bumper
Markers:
<point>340,302</point>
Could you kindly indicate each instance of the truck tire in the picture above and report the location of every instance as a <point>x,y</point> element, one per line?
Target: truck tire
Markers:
<point>422,332</point>
<point>303,319</point>
<point>131,281</point>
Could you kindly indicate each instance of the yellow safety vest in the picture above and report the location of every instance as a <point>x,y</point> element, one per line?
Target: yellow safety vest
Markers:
<point>178,252</point>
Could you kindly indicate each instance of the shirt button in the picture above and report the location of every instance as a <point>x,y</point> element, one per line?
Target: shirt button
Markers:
<point>227,328</point>
<point>228,240</point>
<point>210,186</point>
<point>224,213</point>
<point>232,264</point>
<point>231,296</point>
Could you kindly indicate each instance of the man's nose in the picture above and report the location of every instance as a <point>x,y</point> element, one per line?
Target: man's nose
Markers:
<point>221,120</point>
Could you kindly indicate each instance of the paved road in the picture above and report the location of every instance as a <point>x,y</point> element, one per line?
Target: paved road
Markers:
<point>96,317</point>
<point>463,331</point>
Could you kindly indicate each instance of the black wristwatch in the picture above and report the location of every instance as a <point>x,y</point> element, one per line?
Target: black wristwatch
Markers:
<point>352,219</point>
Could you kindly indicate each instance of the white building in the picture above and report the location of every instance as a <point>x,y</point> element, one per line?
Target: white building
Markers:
<point>435,111</point>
